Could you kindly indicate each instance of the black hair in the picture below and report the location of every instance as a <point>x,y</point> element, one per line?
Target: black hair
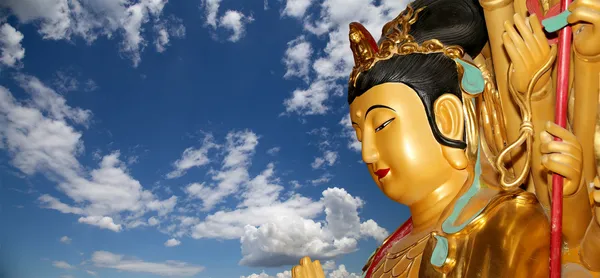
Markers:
<point>453,22</point>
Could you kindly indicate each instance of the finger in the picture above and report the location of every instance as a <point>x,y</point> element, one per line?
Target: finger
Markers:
<point>517,41</point>
<point>297,272</point>
<point>596,195</point>
<point>584,15</point>
<point>511,50</point>
<point>527,34</point>
<point>590,4</point>
<point>538,33</point>
<point>318,269</point>
<point>562,165</point>
<point>305,261</point>
<point>561,148</point>
<point>545,137</point>
<point>565,135</point>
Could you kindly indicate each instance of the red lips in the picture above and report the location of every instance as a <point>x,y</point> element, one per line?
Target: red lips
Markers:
<point>381,173</point>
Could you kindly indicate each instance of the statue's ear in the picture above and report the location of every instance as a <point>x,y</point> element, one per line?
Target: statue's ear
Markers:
<point>450,121</point>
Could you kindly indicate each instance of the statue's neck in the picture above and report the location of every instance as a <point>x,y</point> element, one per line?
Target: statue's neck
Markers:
<point>426,212</point>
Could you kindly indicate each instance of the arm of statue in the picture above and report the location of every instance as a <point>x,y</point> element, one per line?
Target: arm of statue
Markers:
<point>497,12</point>
<point>308,269</point>
<point>586,41</point>
<point>529,50</point>
<point>590,246</point>
<point>566,159</point>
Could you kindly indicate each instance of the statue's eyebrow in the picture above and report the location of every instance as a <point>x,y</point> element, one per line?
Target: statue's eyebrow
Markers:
<point>377,106</point>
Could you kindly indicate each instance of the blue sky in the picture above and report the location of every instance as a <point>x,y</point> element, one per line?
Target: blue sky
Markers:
<point>183,138</point>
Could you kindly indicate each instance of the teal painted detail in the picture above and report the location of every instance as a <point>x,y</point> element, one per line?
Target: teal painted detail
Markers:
<point>440,252</point>
<point>448,225</point>
<point>557,22</point>
<point>472,81</point>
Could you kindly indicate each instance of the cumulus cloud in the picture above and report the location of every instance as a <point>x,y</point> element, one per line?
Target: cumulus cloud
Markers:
<point>65,240</point>
<point>296,8</point>
<point>275,227</point>
<point>311,101</point>
<point>62,264</point>
<point>40,136</point>
<point>172,242</point>
<point>335,60</point>
<point>103,222</point>
<point>106,259</point>
<point>11,50</point>
<point>297,58</point>
<point>235,22</point>
<point>68,19</point>
<point>329,268</point>
<point>232,20</point>
<point>285,274</point>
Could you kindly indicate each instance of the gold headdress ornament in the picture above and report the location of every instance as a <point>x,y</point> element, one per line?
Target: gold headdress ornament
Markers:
<point>396,41</point>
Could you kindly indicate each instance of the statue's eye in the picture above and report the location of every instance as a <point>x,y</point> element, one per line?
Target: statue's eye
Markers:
<point>384,124</point>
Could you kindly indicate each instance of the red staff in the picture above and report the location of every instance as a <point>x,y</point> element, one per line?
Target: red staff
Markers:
<point>562,88</point>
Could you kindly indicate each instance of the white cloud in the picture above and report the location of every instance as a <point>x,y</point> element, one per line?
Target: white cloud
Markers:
<point>90,19</point>
<point>239,148</point>
<point>235,22</point>
<point>341,272</point>
<point>329,268</point>
<point>10,46</point>
<point>274,228</point>
<point>65,240</point>
<point>106,259</point>
<point>172,242</point>
<point>335,61</point>
<point>285,274</point>
<point>371,229</point>
<point>91,273</point>
<point>164,31</point>
<point>152,221</point>
<point>329,158</point>
<point>273,151</point>
<point>349,132</point>
<point>211,9</point>
<point>311,101</point>
<point>62,264</point>
<point>40,137</point>
<point>102,222</point>
<point>232,20</point>
<point>297,58</point>
<point>193,157</point>
<point>296,8</point>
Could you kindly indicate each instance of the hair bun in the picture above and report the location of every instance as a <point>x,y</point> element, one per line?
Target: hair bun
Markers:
<point>453,22</point>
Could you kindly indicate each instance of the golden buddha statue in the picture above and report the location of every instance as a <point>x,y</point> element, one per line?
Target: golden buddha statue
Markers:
<point>434,94</point>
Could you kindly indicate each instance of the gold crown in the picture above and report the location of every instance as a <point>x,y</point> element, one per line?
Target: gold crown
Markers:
<point>396,41</point>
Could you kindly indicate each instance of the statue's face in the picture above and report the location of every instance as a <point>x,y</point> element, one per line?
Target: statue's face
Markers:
<point>403,157</point>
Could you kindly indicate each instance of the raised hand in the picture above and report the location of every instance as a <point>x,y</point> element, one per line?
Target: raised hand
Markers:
<point>586,37</point>
<point>528,50</point>
<point>308,269</point>
<point>564,158</point>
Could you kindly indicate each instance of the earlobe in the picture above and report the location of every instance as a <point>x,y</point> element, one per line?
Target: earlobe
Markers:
<point>450,121</point>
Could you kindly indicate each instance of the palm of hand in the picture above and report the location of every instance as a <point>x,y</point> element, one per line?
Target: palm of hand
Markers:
<point>308,269</point>
<point>528,50</point>
<point>587,36</point>
<point>562,157</point>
